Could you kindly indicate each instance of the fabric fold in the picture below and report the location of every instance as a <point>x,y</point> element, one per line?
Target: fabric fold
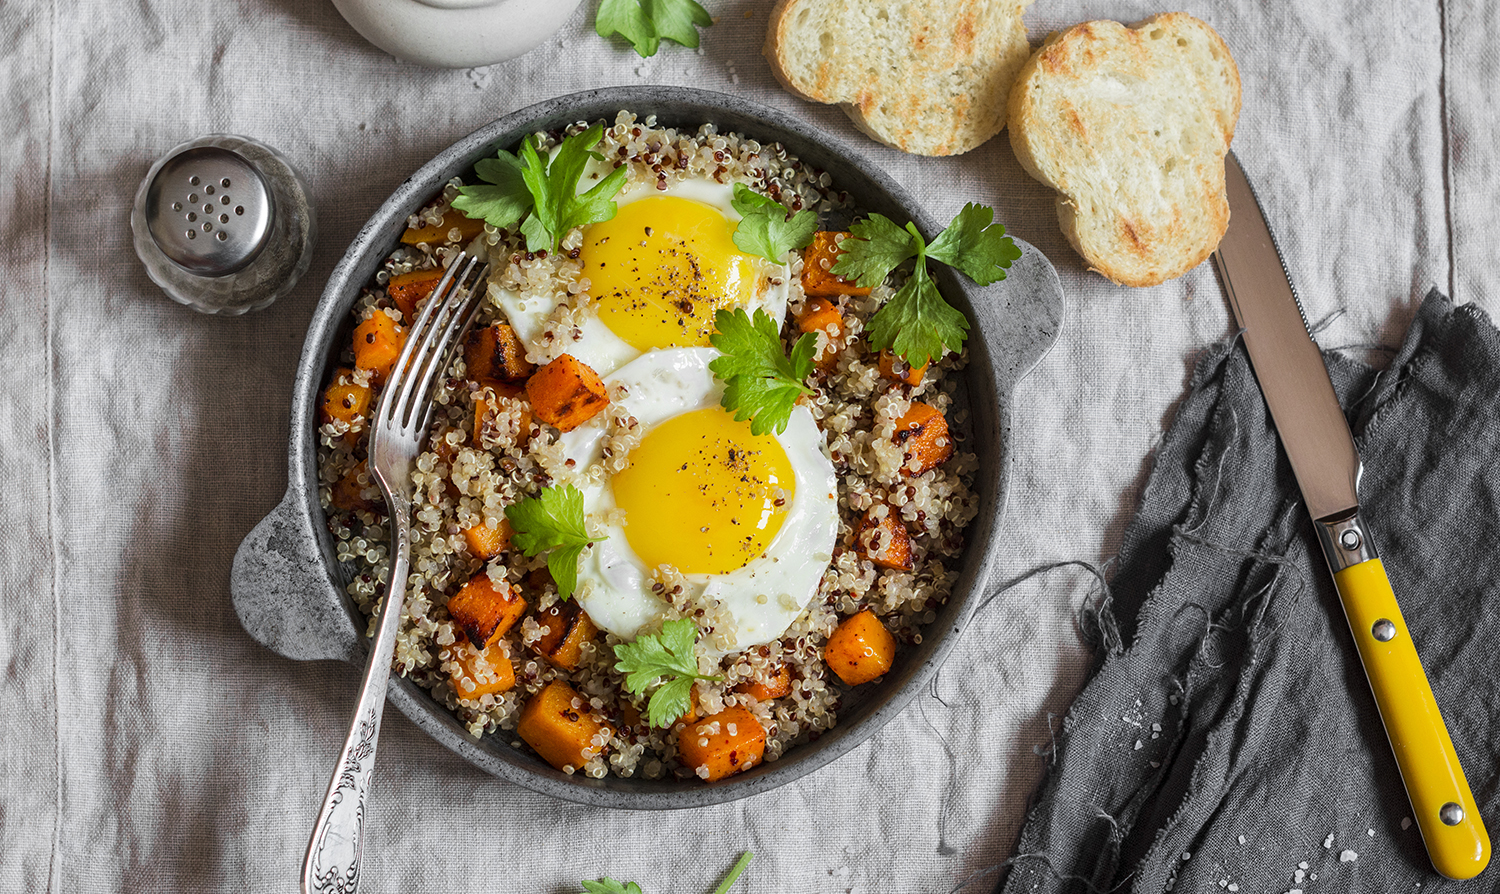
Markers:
<point>1229,740</point>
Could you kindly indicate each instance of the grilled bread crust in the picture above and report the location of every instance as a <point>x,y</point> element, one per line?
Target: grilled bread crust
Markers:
<point>1130,125</point>
<point>930,77</point>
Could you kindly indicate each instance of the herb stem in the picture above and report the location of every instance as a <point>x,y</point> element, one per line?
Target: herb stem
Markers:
<point>734,873</point>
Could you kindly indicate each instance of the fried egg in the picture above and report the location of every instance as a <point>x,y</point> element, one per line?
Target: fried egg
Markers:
<point>748,519</point>
<point>657,272</point>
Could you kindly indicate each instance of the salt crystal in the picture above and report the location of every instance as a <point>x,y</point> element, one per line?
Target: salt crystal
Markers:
<point>1137,744</point>
<point>1405,822</point>
<point>1328,842</point>
<point>1298,876</point>
<point>1295,891</point>
<point>1186,856</point>
<point>1156,727</point>
<point>1302,865</point>
<point>1348,856</point>
<point>1233,887</point>
<point>1155,764</point>
<point>1242,839</point>
<point>1370,832</point>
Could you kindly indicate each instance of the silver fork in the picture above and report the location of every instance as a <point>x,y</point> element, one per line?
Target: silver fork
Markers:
<point>400,422</point>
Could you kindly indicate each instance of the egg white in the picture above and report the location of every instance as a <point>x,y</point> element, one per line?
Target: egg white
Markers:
<point>597,345</point>
<point>615,585</point>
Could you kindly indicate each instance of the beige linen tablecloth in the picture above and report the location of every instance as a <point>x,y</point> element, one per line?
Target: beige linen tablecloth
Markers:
<point>147,744</point>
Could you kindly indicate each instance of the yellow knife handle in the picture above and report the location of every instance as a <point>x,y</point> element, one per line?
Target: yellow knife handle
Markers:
<point>1452,828</point>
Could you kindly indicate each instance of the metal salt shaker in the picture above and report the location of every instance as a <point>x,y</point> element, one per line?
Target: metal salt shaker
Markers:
<point>223,224</point>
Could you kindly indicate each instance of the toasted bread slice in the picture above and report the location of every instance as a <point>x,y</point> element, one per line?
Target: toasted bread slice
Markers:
<point>1130,126</point>
<point>931,78</point>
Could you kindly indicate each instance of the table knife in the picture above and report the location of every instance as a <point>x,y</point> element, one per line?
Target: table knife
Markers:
<point>1316,437</point>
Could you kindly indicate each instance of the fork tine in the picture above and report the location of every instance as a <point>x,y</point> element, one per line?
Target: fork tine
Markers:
<point>428,359</point>
<point>398,371</point>
<point>453,342</point>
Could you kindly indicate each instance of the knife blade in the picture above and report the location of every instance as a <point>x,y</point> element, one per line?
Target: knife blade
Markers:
<point>1316,437</point>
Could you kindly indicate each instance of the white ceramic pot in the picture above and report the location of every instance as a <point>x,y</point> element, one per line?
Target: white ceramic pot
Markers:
<point>456,33</point>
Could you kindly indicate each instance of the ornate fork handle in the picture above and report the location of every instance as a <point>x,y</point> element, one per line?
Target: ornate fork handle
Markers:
<point>337,844</point>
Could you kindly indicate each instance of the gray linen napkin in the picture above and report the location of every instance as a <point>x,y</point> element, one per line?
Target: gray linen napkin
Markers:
<point>1228,740</point>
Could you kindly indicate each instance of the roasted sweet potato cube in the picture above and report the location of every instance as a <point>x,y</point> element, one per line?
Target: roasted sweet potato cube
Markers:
<point>488,541</point>
<point>922,435</point>
<point>480,672</point>
<point>883,539</point>
<point>567,628</point>
<point>558,725</point>
<point>731,741</point>
<point>860,649</point>
<point>346,401</point>
<point>817,262</point>
<point>485,610</point>
<point>495,352</point>
<point>566,393</point>
<point>898,370</point>
<point>824,316</point>
<point>348,493</point>
<point>777,684</point>
<point>467,227</point>
<point>409,290</point>
<point>377,344</point>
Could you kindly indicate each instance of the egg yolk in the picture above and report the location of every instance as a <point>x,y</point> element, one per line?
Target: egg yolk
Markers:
<point>660,269</point>
<point>703,494</point>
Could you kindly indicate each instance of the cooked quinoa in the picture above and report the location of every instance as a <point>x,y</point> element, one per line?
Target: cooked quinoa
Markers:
<point>458,483</point>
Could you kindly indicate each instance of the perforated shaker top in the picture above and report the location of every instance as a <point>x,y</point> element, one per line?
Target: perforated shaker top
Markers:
<point>209,211</point>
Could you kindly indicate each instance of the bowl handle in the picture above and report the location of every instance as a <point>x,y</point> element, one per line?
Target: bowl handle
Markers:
<point>1021,315</point>
<point>282,592</point>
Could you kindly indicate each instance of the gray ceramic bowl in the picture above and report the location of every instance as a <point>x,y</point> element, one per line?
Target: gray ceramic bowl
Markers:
<point>289,591</point>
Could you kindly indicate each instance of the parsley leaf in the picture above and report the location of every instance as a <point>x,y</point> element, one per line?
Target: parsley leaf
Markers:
<point>542,194</point>
<point>878,247</point>
<point>917,323</point>
<point>649,658</point>
<point>976,246</point>
<point>554,184</point>
<point>646,23</point>
<point>767,228</point>
<point>761,383</point>
<point>553,521</point>
<point>610,886</point>
<point>504,202</point>
<point>629,20</point>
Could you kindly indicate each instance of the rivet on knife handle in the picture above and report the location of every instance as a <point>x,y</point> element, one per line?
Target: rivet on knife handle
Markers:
<point>1445,810</point>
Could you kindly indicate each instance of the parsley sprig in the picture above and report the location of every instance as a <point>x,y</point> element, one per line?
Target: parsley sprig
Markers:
<point>646,23</point>
<point>655,656</point>
<point>761,383</point>
<point>553,521</point>
<point>917,323</point>
<point>767,227</point>
<point>610,886</point>
<point>542,195</point>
